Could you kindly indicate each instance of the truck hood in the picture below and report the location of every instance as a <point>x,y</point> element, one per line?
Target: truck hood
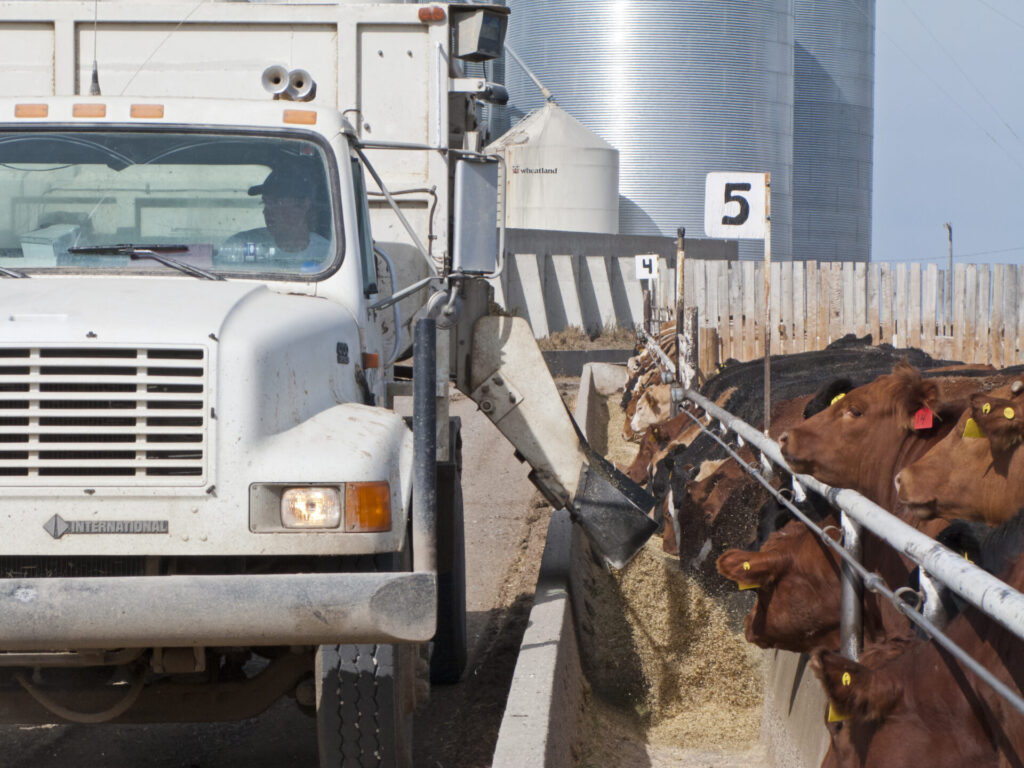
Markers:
<point>117,310</point>
<point>276,359</point>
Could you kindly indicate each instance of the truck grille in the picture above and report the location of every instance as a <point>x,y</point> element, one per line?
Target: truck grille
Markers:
<point>12,567</point>
<point>103,416</point>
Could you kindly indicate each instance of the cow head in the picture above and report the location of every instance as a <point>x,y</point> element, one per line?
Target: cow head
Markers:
<point>858,436</point>
<point>856,690</point>
<point>797,583</point>
<point>977,471</point>
<point>653,407</point>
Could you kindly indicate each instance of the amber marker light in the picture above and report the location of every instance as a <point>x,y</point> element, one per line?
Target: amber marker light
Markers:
<point>149,111</point>
<point>371,360</point>
<point>31,110</point>
<point>431,13</point>
<point>300,116</point>
<point>367,507</point>
<point>89,110</point>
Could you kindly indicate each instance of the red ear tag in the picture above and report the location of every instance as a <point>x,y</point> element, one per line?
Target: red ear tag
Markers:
<point>923,418</point>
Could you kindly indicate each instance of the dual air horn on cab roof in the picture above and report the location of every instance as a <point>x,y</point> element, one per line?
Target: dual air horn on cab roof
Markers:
<point>294,85</point>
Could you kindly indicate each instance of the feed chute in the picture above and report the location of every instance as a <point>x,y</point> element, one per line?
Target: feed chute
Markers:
<point>508,379</point>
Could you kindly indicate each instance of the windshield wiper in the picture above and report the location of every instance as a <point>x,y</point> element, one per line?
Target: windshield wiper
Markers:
<point>7,272</point>
<point>155,252</point>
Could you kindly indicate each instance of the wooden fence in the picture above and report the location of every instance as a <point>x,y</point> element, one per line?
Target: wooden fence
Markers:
<point>815,303</point>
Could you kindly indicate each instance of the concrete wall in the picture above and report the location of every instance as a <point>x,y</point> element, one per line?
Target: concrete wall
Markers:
<point>561,279</point>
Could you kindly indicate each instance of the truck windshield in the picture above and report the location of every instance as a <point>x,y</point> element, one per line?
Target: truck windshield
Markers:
<point>243,204</point>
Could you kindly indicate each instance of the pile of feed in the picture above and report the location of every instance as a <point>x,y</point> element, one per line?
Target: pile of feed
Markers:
<point>671,676</point>
<point>660,650</point>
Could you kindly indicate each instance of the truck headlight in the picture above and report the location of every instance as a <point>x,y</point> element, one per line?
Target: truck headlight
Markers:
<point>311,508</point>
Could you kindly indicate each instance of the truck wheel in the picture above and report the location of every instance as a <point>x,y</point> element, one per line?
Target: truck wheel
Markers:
<point>364,705</point>
<point>450,646</point>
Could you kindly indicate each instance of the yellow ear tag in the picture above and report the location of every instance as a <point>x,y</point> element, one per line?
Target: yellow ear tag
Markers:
<point>971,429</point>
<point>740,584</point>
<point>967,557</point>
<point>837,398</point>
<point>1008,413</point>
<point>846,679</point>
<point>834,716</point>
<point>986,408</point>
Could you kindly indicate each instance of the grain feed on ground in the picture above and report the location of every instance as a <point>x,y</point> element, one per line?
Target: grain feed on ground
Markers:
<point>658,650</point>
<point>704,682</point>
<point>614,740</point>
<point>576,338</point>
<point>618,451</point>
<point>661,653</point>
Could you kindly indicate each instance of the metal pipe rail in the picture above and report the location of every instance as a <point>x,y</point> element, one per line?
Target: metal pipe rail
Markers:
<point>874,583</point>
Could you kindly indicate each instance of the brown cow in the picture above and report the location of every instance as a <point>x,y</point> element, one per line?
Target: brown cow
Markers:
<point>863,438</point>
<point>791,598</point>
<point>866,437</point>
<point>977,471</point>
<point>650,443</point>
<point>935,727</point>
<point>798,589</point>
<point>796,577</point>
<point>922,706</point>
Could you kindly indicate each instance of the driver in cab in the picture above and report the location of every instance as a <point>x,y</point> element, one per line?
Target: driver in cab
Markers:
<point>288,236</point>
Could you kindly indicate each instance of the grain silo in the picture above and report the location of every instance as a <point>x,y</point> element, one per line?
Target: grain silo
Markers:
<point>559,175</point>
<point>679,87</point>
<point>833,116</point>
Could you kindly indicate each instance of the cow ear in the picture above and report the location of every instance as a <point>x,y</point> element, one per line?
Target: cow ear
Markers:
<point>854,690</point>
<point>750,570</point>
<point>826,396</point>
<point>922,403</point>
<point>1001,421</point>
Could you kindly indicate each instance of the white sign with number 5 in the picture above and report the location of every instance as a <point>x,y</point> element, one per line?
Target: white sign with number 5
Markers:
<point>734,205</point>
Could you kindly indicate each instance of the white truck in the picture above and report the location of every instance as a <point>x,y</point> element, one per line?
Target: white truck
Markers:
<point>207,501</point>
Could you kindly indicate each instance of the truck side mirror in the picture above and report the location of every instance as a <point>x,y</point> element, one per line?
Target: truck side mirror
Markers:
<point>475,241</point>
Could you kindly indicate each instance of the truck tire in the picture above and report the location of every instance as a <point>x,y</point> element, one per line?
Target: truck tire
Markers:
<point>449,649</point>
<point>364,705</point>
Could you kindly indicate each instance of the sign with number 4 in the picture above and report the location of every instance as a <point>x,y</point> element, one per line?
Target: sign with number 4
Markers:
<point>734,205</point>
<point>646,266</point>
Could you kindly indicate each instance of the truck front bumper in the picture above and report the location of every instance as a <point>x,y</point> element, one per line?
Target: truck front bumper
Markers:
<point>175,611</point>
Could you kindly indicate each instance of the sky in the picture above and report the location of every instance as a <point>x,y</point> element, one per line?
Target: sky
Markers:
<point>949,131</point>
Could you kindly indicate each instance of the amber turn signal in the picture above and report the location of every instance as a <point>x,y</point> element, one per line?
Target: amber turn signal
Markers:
<point>368,506</point>
<point>431,13</point>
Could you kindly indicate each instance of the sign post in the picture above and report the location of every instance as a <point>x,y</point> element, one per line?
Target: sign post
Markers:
<point>737,206</point>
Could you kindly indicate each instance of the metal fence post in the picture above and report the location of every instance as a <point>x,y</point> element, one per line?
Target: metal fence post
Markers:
<point>851,624</point>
